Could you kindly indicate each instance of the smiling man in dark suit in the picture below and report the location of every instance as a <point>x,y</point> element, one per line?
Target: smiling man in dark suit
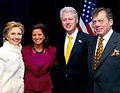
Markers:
<point>72,62</point>
<point>104,65</point>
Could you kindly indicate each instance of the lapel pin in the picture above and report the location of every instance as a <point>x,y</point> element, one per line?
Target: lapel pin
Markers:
<point>80,41</point>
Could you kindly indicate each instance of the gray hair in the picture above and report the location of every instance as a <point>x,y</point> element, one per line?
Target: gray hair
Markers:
<point>68,9</point>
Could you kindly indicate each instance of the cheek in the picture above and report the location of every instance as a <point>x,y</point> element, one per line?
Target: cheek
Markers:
<point>9,37</point>
<point>93,26</point>
<point>33,37</point>
<point>42,37</point>
<point>20,37</point>
<point>63,23</point>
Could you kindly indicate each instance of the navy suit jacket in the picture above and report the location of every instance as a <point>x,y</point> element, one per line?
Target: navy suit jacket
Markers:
<point>106,77</point>
<point>73,76</point>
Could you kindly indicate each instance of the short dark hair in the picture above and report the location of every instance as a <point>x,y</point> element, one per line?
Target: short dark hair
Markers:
<point>107,10</point>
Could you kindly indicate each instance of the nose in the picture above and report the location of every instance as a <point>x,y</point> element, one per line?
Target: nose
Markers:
<point>16,36</point>
<point>37,37</point>
<point>97,23</point>
<point>67,21</point>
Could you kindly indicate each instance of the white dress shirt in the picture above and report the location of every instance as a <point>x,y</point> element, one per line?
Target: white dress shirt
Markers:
<point>105,39</point>
<point>11,69</point>
<point>74,35</point>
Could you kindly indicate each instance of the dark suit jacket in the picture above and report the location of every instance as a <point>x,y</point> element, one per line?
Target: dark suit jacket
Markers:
<point>73,76</point>
<point>106,77</point>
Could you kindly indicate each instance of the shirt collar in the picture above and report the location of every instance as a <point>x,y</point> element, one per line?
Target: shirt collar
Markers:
<point>107,36</point>
<point>73,34</point>
<point>12,46</point>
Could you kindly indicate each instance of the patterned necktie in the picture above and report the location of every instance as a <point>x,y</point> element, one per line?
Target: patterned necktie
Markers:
<point>98,53</point>
<point>69,48</point>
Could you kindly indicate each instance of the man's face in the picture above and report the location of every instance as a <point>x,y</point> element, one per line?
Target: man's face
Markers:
<point>101,23</point>
<point>69,22</point>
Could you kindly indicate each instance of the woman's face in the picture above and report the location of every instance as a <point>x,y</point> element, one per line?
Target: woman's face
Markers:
<point>38,36</point>
<point>14,36</point>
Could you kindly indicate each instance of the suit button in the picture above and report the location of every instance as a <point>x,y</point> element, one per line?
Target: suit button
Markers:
<point>66,75</point>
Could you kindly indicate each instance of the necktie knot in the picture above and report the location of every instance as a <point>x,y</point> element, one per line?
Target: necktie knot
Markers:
<point>101,39</point>
<point>70,37</point>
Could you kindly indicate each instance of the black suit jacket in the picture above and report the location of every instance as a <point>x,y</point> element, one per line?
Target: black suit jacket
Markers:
<point>106,77</point>
<point>73,76</point>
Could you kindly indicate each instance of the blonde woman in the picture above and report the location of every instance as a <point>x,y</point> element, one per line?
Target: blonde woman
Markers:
<point>11,63</point>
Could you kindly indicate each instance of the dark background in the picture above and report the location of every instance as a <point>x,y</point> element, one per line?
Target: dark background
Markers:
<point>30,12</point>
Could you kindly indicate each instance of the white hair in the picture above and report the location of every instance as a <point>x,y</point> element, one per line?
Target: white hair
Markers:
<point>68,9</point>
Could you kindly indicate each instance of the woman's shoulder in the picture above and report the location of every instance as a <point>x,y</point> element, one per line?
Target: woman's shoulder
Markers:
<point>3,50</point>
<point>4,53</point>
<point>26,49</point>
<point>52,49</point>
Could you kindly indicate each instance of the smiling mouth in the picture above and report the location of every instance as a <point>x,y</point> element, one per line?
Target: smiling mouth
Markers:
<point>98,29</point>
<point>37,40</point>
<point>68,25</point>
<point>16,40</point>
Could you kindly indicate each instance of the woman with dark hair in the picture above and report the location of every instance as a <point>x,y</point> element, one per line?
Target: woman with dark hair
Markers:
<point>39,59</point>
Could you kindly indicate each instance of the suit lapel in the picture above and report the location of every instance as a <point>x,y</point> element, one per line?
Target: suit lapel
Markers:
<point>92,49</point>
<point>109,47</point>
<point>78,44</point>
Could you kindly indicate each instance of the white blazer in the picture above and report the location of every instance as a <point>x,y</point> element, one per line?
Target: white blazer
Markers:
<point>11,69</point>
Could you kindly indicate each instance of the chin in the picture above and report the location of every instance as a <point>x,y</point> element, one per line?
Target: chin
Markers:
<point>99,33</point>
<point>17,43</point>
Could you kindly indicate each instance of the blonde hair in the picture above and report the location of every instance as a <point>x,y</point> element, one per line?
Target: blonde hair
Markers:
<point>11,25</point>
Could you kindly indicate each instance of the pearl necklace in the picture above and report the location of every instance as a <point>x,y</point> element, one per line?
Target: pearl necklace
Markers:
<point>37,51</point>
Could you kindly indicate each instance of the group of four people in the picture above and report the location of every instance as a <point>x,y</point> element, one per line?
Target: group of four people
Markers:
<point>84,65</point>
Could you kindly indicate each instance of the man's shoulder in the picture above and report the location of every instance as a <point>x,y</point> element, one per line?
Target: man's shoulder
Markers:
<point>116,33</point>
